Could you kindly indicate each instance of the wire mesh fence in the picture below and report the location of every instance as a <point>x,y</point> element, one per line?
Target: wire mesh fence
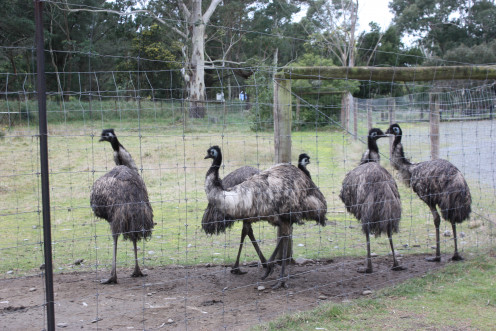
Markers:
<point>189,283</point>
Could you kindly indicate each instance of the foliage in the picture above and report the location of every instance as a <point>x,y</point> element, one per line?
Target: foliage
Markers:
<point>384,48</point>
<point>324,96</point>
<point>446,27</point>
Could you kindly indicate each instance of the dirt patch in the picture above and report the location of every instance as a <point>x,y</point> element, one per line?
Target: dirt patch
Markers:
<point>195,298</point>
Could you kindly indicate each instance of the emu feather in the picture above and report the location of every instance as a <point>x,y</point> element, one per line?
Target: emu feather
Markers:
<point>438,183</point>
<point>370,193</point>
<point>120,197</point>
<point>282,195</point>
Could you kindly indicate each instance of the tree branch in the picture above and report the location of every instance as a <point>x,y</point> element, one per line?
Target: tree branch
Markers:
<point>133,12</point>
<point>210,11</point>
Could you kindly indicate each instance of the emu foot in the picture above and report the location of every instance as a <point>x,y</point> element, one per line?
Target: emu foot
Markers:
<point>365,270</point>
<point>433,259</point>
<point>237,271</point>
<point>138,273</point>
<point>280,284</point>
<point>268,272</point>
<point>111,280</point>
<point>398,268</point>
<point>457,257</point>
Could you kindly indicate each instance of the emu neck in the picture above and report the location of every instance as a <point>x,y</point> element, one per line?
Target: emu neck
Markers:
<point>372,145</point>
<point>212,179</point>
<point>400,162</point>
<point>116,145</point>
<point>304,169</point>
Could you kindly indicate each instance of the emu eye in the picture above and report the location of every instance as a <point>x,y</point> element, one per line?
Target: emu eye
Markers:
<point>373,134</point>
<point>396,130</point>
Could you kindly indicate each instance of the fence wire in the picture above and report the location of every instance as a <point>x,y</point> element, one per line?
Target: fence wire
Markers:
<point>189,284</point>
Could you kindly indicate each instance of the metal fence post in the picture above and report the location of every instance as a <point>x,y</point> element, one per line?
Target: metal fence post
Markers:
<point>45,192</point>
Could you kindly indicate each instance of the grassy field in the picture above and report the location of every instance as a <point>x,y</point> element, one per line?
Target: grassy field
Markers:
<point>171,156</point>
<point>461,296</point>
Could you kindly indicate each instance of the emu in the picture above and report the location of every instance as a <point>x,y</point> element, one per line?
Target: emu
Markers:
<point>438,183</point>
<point>120,197</point>
<point>303,161</point>
<point>282,195</point>
<point>370,193</point>
<point>215,222</point>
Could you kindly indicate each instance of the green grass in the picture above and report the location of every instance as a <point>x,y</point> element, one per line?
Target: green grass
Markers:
<point>171,156</point>
<point>461,296</point>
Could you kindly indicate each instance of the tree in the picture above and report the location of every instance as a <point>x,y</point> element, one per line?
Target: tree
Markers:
<point>437,24</point>
<point>384,48</point>
<point>191,30</point>
<point>335,22</point>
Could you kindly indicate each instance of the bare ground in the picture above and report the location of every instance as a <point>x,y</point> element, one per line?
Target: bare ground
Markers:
<point>195,298</point>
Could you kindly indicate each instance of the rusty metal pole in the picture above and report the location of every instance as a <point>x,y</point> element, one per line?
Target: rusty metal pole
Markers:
<point>45,188</point>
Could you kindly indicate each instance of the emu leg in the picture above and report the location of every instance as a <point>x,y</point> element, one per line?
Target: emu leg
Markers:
<point>396,266</point>
<point>235,268</point>
<point>137,272</point>
<point>368,269</point>
<point>437,222</point>
<point>456,256</point>
<point>281,281</point>
<point>270,263</point>
<point>255,245</point>
<point>113,273</point>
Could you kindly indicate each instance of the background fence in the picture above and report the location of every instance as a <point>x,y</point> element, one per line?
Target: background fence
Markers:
<point>189,284</point>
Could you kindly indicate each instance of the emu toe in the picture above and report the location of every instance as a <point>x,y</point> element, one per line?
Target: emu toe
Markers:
<point>457,257</point>
<point>433,259</point>
<point>268,272</point>
<point>138,273</point>
<point>111,280</point>
<point>237,271</point>
<point>279,284</point>
<point>365,270</point>
<point>398,268</point>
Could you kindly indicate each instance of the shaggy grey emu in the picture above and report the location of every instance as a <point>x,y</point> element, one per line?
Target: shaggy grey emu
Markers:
<point>215,222</point>
<point>370,193</point>
<point>121,198</point>
<point>282,195</point>
<point>437,183</point>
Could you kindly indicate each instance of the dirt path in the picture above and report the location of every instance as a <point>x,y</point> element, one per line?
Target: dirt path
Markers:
<point>194,298</point>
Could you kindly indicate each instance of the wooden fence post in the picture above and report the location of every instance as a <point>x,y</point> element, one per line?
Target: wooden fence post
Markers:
<point>282,120</point>
<point>298,106</point>
<point>282,139</point>
<point>354,106</point>
<point>434,124</point>
<point>369,115</point>
<point>392,120</point>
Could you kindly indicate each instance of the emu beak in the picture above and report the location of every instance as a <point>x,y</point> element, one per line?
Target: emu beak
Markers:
<point>101,139</point>
<point>207,157</point>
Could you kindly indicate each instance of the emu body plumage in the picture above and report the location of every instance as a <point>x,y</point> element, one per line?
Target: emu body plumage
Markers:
<point>120,197</point>
<point>370,193</point>
<point>214,221</point>
<point>438,183</point>
<point>282,195</point>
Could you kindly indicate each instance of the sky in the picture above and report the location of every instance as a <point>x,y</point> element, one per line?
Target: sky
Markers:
<point>368,11</point>
<point>373,10</point>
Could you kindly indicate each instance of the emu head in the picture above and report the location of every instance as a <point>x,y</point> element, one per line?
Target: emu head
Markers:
<point>213,152</point>
<point>395,130</point>
<point>376,133</point>
<point>303,159</point>
<point>108,135</point>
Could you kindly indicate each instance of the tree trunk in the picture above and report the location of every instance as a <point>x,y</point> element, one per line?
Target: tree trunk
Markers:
<point>196,84</point>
